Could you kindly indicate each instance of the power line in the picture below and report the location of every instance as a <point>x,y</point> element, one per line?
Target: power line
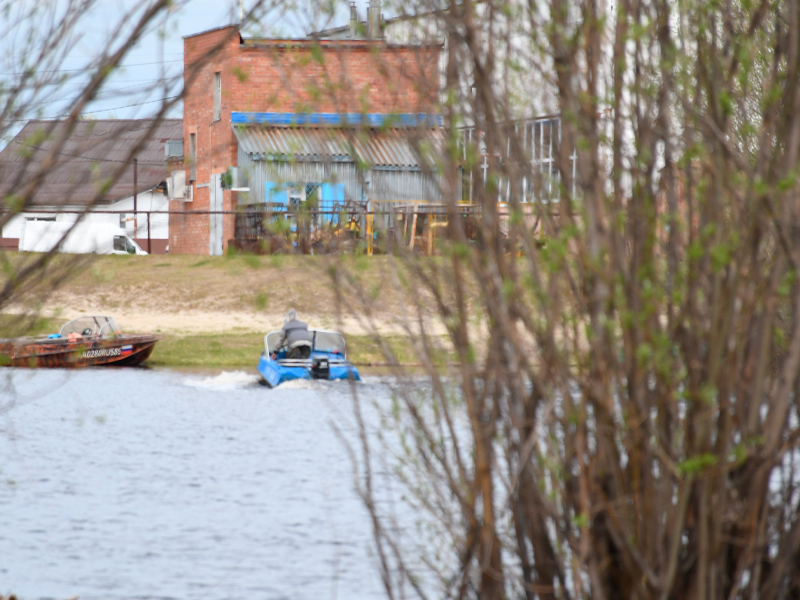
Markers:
<point>146,88</point>
<point>76,83</point>
<point>132,105</point>
<point>91,112</point>
<point>89,68</point>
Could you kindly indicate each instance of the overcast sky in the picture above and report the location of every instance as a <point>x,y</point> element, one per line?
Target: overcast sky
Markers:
<point>158,58</point>
<point>153,69</point>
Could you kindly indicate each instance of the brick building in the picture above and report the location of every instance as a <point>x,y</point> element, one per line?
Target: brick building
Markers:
<point>295,113</point>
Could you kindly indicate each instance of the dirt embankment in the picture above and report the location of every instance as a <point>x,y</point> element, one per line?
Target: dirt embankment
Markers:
<point>184,295</point>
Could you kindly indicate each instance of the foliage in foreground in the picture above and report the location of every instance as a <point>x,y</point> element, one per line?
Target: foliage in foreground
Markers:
<point>624,422</point>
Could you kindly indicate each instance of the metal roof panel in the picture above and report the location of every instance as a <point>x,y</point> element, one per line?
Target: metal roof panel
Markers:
<point>377,147</point>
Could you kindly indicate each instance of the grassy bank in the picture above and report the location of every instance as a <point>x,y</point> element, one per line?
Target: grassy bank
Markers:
<point>236,349</point>
<point>12,326</point>
<point>243,350</point>
<point>214,311</point>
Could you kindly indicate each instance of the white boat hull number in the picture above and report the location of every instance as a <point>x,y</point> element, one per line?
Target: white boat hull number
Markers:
<point>102,352</point>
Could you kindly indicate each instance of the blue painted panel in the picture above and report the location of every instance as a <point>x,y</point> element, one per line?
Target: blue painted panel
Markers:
<point>275,193</point>
<point>371,119</point>
<point>330,194</point>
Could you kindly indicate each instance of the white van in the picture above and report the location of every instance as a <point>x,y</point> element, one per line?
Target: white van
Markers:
<point>85,238</point>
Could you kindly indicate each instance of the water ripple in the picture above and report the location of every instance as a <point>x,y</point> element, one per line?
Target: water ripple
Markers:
<point>127,484</point>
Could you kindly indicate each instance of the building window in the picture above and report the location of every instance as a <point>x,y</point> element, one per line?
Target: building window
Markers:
<point>545,135</point>
<point>192,157</point>
<point>298,193</point>
<point>296,196</point>
<point>217,96</point>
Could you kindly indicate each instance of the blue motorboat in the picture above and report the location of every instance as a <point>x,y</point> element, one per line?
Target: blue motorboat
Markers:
<point>327,360</point>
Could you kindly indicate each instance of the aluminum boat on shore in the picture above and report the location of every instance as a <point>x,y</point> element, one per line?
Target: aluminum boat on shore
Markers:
<point>83,342</point>
<point>327,360</point>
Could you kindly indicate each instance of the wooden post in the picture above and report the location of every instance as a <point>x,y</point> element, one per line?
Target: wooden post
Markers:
<point>370,222</point>
<point>413,230</point>
<point>148,231</point>
<point>391,226</point>
<point>135,175</point>
<point>430,236</point>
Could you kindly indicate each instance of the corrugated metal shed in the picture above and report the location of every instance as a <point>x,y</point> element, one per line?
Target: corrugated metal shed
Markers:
<point>398,148</point>
<point>91,155</point>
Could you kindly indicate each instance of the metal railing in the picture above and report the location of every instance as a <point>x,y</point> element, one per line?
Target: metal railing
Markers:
<point>401,224</point>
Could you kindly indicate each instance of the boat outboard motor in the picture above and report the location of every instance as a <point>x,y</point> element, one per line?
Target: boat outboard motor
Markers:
<point>320,367</point>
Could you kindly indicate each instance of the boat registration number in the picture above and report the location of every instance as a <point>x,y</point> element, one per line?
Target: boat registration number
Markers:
<point>101,352</point>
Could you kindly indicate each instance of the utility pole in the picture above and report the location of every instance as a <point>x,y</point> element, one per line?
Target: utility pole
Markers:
<point>135,177</point>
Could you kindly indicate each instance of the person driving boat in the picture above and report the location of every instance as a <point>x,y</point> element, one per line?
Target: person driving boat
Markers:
<point>295,338</point>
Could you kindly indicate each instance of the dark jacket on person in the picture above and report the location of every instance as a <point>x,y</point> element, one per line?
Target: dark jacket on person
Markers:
<point>293,332</point>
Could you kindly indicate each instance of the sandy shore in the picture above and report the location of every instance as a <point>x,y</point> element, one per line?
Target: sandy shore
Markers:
<point>187,322</point>
<point>188,295</point>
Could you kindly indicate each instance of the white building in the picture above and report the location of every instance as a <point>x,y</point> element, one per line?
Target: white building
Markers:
<point>91,156</point>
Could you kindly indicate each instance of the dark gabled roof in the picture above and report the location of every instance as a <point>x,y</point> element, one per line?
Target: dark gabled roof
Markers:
<point>93,152</point>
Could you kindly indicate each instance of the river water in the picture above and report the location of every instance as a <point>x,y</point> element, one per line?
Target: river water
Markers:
<point>135,483</point>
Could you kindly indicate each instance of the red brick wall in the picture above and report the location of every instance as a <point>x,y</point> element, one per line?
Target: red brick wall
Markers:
<point>204,55</point>
<point>331,77</point>
<point>285,76</point>
<point>156,246</point>
<point>7,244</point>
